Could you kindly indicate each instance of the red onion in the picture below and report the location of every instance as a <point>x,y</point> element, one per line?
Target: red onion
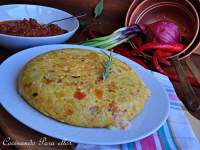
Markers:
<point>163,31</point>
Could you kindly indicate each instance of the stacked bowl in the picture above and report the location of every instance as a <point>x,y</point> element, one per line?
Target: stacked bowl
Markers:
<point>183,12</point>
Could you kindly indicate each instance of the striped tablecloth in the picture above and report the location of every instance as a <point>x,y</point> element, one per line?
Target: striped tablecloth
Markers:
<point>176,133</point>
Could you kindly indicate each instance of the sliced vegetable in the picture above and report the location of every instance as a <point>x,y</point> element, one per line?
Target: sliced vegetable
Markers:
<point>171,47</point>
<point>119,36</point>
<point>161,58</point>
<point>172,76</point>
<point>79,95</point>
<point>156,63</point>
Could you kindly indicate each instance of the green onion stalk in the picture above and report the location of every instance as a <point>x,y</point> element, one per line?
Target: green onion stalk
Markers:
<point>117,37</point>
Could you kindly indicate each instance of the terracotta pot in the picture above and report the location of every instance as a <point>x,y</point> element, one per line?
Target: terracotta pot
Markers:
<point>182,12</point>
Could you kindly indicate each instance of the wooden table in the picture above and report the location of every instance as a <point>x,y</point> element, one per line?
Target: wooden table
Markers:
<point>112,18</point>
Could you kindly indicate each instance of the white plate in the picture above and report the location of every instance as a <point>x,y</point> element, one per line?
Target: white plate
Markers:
<point>147,122</point>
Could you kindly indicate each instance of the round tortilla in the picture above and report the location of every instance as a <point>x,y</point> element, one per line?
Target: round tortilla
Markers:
<point>67,85</point>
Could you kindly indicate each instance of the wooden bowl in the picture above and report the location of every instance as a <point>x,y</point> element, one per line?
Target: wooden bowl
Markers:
<point>182,12</point>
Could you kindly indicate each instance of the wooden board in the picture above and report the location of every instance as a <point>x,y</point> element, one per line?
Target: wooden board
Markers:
<point>16,131</point>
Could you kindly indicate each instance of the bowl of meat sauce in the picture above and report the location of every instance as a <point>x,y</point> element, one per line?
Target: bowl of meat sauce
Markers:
<point>23,26</point>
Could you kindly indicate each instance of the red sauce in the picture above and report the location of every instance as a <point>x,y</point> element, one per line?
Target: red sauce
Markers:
<point>29,28</point>
<point>79,95</point>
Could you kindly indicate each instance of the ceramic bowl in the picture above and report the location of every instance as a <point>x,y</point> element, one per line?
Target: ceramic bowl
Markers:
<point>42,14</point>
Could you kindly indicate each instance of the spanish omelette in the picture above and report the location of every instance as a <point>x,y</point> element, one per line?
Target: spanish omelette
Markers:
<point>67,85</point>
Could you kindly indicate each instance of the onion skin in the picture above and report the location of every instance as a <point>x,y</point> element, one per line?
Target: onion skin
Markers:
<point>163,31</point>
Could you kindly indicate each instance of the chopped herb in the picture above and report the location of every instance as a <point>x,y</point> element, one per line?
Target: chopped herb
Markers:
<point>107,66</point>
<point>99,8</point>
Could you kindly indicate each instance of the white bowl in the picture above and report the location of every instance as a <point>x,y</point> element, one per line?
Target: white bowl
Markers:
<point>42,14</point>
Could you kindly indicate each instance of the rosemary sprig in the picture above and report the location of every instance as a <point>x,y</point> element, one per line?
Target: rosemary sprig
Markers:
<point>107,65</point>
